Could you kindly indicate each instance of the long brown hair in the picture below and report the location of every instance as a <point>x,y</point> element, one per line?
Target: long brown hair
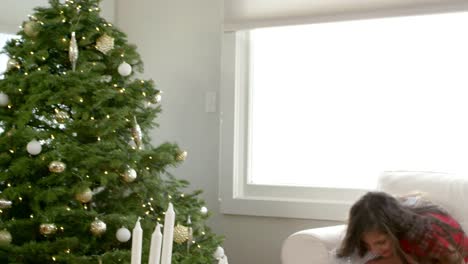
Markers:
<point>379,211</point>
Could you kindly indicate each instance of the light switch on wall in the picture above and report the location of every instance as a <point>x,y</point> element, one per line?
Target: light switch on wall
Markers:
<point>210,102</point>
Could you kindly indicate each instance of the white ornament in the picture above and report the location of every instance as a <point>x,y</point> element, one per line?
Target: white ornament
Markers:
<point>34,147</point>
<point>220,256</point>
<point>125,69</point>
<point>4,100</point>
<point>123,235</point>
<point>204,210</point>
<point>219,253</point>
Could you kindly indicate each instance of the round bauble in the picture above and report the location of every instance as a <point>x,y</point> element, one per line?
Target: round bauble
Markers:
<point>57,166</point>
<point>123,234</point>
<point>219,253</point>
<point>5,204</point>
<point>12,63</point>
<point>181,155</point>
<point>204,210</point>
<point>85,196</point>
<point>34,147</point>
<point>98,227</point>
<point>181,234</point>
<point>5,237</point>
<point>4,100</point>
<point>129,175</point>
<point>47,229</point>
<point>157,98</point>
<point>31,29</point>
<point>125,69</point>
<point>61,116</point>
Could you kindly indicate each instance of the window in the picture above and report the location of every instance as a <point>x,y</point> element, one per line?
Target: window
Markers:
<point>319,111</point>
<point>3,57</point>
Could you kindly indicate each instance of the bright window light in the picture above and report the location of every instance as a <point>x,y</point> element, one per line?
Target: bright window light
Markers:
<point>336,104</point>
<point>3,57</point>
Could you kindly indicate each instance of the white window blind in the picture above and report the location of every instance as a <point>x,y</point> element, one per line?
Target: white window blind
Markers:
<point>334,105</point>
<point>248,14</point>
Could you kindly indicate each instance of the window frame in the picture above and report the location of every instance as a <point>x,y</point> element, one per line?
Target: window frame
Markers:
<point>237,196</point>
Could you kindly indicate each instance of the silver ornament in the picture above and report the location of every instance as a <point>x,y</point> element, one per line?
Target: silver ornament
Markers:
<point>98,227</point>
<point>57,166</point>
<point>105,43</point>
<point>85,196</point>
<point>137,134</point>
<point>129,175</point>
<point>5,204</point>
<point>190,233</point>
<point>47,229</point>
<point>73,51</point>
<point>12,63</point>
<point>5,237</point>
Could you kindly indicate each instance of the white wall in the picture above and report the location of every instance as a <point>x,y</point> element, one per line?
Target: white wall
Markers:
<point>180,43</point>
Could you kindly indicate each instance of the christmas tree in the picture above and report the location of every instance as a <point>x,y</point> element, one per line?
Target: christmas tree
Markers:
<point>76,166</point>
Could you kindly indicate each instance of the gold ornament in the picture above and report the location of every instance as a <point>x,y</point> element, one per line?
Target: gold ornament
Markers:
<point>5,237</point>
<point>105,43</point>
<point>61,116</point>
<point>47,229</point>
<point>181,155</point>
<point>12,63</point>
<point>136,133</point>
<point>181,234</point>
<point>31,29</point>
<point>5,204</point>
<point>85,196</point>
<point>98,227</point>
<point>57,166</point>
<point>129,175</point>
<point>73,51</point>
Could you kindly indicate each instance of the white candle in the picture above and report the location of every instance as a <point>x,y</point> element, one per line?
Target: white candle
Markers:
<point>169,220</point>
<point>156,243</point>
<point>137,240</point>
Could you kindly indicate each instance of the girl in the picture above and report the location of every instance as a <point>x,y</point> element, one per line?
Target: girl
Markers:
<point>403,234</point>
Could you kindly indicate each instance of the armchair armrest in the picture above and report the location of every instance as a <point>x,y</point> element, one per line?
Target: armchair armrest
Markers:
<point>311,245</point>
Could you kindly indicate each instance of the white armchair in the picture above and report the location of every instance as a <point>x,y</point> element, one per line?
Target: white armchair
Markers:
<point>314,246</point>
